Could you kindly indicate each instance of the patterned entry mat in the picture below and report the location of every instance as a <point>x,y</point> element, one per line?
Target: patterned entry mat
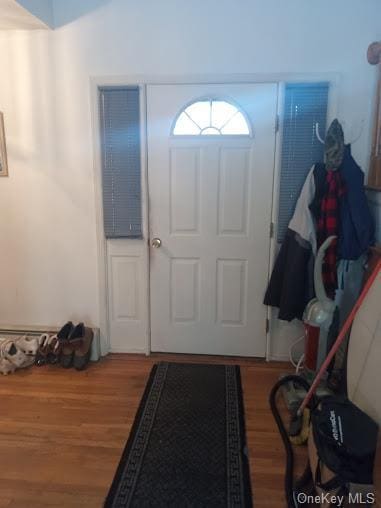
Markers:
<point>187,446</point>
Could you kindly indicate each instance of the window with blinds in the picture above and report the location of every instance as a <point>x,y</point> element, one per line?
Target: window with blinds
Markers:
<point>305,105</point>
<point>121,161</point>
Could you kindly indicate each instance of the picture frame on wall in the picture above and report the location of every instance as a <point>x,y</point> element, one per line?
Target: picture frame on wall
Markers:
<point>3,148</point>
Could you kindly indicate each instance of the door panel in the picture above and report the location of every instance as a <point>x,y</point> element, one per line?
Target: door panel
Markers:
<point>185,290</point>
<point>185,190</point>
<point>127,295</point>
<point>233,180</point>
<point>210,204</point>
<point>231,291</point>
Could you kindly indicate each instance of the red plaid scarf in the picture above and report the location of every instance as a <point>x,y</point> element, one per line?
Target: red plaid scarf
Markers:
<point>328,225</point>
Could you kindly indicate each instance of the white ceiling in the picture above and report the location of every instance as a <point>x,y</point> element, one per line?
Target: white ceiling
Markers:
<point>13,16</point>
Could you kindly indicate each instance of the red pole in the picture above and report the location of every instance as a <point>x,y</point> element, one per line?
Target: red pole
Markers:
<point>340,337</point>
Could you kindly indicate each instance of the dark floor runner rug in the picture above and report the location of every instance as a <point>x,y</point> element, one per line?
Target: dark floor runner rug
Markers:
<point>187,445</point>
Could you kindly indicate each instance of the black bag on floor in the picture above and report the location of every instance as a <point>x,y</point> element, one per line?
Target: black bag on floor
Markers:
<point>346,440</point>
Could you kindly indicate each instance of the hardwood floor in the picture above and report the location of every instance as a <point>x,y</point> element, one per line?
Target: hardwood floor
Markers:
<point>62,431</point>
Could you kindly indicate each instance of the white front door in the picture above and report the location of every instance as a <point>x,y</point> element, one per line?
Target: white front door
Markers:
<point>210,206</point>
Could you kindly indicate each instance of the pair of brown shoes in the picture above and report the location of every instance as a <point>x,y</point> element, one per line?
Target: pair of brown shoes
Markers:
<point>76,344</point>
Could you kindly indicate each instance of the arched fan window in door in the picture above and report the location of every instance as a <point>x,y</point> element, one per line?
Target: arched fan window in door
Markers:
<point>211,117</point>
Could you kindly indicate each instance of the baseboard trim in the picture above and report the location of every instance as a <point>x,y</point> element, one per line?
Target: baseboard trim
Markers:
<point>279,358</point>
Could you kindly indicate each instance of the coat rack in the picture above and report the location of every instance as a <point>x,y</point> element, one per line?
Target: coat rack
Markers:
<point>317,132</point>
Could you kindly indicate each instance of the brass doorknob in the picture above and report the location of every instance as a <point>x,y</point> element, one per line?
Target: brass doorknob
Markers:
<point>156,243</point>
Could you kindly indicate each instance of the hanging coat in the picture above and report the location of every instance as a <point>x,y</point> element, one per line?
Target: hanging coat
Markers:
<point>291,283</point>
<point>356,225</point>
<point>357,228</point>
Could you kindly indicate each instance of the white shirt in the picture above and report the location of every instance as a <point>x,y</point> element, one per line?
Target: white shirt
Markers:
<point>302,221</point>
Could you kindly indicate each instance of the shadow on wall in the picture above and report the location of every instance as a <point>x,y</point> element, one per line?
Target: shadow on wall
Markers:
<point>70,10</point>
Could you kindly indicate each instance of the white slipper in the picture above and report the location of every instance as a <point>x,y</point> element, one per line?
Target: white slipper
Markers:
<point>6,367</point>
<point>10,355</point>
<point>13,353</point>
<point>29,345</point>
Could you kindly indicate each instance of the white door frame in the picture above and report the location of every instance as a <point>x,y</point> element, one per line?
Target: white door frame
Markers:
<point>142,81</point>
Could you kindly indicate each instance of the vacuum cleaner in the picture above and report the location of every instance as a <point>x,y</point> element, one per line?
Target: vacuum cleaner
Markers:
<point>317,319</point>
<point>291,490</point>
<point>300,423</point>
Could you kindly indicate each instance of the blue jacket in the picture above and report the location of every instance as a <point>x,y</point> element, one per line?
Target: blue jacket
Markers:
<point>357,228</point>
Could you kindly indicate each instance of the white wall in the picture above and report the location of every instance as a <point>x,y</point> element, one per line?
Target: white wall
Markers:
<point>13,16</point>
<point>48,268</point>
<point>43,9</point>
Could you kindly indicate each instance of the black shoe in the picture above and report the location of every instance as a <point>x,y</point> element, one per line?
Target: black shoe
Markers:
<point>54,350</point>
<point>77,333</point>
<point>42,352</point>
<point>65,331</point>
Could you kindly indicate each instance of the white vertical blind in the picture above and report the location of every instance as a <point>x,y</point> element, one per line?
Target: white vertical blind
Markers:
<point>305,105</point>
<point>121,161</point>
